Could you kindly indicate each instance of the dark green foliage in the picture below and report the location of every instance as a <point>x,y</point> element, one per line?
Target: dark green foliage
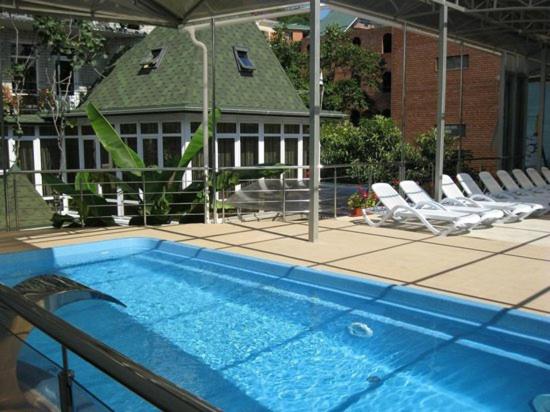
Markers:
<point>338,55</point>
<point>374,149</point>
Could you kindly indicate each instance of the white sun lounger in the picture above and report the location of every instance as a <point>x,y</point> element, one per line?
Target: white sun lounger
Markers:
<point>511,186</point>
<point>537,179</point>
<point>474,192</point>
<point>513,211</point>
<point>421,199</point>
<point>496,190</point>
<point>399,211</point>
<point>546,173</point>
<point>527,184</point>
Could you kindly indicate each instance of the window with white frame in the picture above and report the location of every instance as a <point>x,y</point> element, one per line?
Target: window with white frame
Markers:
<point>272,143</point>
<point>171,143</point>
<point>249,144</point>
<point>149,136</point>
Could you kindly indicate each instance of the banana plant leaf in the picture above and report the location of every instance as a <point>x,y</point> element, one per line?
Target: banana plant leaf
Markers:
<point>123,156</point>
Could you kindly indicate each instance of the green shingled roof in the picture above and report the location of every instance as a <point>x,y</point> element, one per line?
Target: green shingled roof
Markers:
<point>177,83</point>
<point>337,18</point>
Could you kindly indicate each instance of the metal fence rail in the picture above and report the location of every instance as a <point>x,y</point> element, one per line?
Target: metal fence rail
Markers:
<point>155,389</point>
<point>175,195</point>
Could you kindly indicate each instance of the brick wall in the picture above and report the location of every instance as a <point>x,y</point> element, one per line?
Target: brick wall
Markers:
<point>479,98</point>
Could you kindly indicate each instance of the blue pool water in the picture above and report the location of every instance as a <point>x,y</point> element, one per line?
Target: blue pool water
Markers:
<point>251,335</point>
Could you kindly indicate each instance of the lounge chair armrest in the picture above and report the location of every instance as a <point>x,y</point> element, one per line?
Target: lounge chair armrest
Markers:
<point>469,202</point>
<point>480,197</point>
<point>430,204</point>
<point>451,202</point>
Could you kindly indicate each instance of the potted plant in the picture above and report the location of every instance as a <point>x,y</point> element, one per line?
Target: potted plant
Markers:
<point>362,199</point>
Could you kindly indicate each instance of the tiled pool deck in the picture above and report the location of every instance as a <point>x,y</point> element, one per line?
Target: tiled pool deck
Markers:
<point>508,264</point>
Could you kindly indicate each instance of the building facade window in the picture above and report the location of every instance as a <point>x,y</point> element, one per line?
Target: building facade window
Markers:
<point>65,75</point>
<point>226,152</point>
<point>224,127</point>
<point>292,129</point>
<point>150,151</point>
<point>455,129</point>
<point>244,63</point>
<point>89,154</point>
<point>272,149</point>
<point>386,82</point>
<point>72,157</point>
<point>356,41</point>
<point>455,62</point>
<point>291,156</point>
<point>24,56</point>
<point>387,43</point>
<point>249,150</point>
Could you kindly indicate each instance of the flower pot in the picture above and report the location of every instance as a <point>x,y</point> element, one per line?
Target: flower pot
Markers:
<point>356,212</point>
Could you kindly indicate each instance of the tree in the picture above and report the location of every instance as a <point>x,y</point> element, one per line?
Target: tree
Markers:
<point>346,68</point>
<point>74,43</point>
<point>19,72</point>
<point>293,60</point>
<point>372,148</point>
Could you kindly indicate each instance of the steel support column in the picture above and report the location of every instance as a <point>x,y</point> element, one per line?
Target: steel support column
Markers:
<point>542,107</point>
<point>511,153</point>
<point>402,169</point>
<point>499,138</point>
<point>5,156</point>
<point>205,98</point>
<point>314,118</point>
<point>442,87</point>
<point>214,192</point>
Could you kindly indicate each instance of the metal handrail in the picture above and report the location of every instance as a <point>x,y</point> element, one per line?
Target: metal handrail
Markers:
<point>155,389</point>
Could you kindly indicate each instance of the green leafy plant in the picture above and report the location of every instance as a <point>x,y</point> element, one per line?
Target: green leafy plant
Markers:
<point>362,199</point>
<point>359,66</point>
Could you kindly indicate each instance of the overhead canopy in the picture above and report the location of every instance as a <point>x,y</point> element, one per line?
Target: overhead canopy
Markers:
<point>516,26</point>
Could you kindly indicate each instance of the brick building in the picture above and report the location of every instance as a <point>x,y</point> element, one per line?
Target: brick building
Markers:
<point>472,91</point>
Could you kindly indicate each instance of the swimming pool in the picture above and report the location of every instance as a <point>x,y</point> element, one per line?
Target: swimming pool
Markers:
<point>248,334</point>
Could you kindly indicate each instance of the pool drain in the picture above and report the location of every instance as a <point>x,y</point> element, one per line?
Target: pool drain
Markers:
<point>361,330</point>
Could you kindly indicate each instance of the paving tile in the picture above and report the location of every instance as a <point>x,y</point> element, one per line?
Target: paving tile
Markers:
<point>410,262</point>
<point>500,278</point>
<point>415,234</point>
<point>539,249</point>
<point>332,245</point>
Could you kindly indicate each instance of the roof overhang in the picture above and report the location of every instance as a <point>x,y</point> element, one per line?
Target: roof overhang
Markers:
<point>516,26</point>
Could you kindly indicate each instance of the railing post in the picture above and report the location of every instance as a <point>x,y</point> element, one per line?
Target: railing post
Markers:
<point>223,204</point>
<point>65,380</point>
<point>284,197</point>
<point>82,223</point>
<point>15,208</point>
<point>335,205</point>
<point>144,199</point>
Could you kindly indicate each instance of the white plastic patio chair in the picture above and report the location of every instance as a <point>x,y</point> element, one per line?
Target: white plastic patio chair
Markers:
<point>512,187</point>
<point>527,184</point>
<point>537,179</point>
<point>499,193</point>
<point>512,211</point>
<point>399,211</point>
<point>546,173</point>
<point>421,199</point>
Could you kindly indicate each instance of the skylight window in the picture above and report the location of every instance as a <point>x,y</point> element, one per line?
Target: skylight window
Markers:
<point>244,64</point>
<point>152,60</point>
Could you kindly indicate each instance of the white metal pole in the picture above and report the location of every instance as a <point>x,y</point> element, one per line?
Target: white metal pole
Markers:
<point>314,118</point>
<point>542,106</point>
<point>442,87</point>
<point>205,148</point>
